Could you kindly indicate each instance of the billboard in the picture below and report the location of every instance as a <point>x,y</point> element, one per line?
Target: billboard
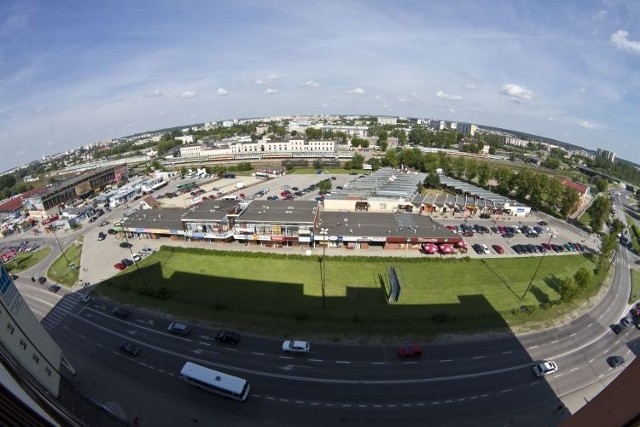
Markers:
<point>394,282</point>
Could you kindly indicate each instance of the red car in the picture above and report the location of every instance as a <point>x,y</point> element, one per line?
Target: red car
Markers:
<point>119,266</point>
<point>409,350</point>
<point>499,249</point>
<point>635,312</point>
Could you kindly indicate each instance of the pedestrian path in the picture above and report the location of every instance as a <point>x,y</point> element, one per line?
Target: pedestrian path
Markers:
<point>57,314</point>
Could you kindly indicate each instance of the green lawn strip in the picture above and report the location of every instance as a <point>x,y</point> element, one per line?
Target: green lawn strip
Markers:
<point>284,292</point>
<point>635,287</point>
<point>633,234</point>
<point>60,272</point>
<point>26,260</point>
<point>585,219</point>
<point>326,170</point>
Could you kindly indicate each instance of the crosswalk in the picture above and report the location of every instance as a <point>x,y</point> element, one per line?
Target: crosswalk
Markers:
<point>57,314</point>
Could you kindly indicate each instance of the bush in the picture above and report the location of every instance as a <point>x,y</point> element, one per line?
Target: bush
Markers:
<point>301,316</point>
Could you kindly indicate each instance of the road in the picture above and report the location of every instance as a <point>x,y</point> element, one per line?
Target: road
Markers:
<point>479,381</point>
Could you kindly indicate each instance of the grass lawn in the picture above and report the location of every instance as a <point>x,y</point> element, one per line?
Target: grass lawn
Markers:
<point>585,219</point>
<point>279,293</point>
<point>60,272</point>
<point>26,260</point>
<point>635,286</point>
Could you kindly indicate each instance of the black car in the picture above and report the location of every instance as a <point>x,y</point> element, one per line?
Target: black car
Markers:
<point>229,337</point>
<point>616,328</point>
<point>129,347</point>
<point>517,249</point>
<point>543,223</point>
<point>125,245</point>
<point>14,276</point>
<point>112,231</point>
<point>54,288</point>
<point>508,235</point>
<point>615,361</point>
<point>120,312</point>
<point>101,236</point>
<point>41,280</point>
<point>127,262</point>
<point>476,247</point>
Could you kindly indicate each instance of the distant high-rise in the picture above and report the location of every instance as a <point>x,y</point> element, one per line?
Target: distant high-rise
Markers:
<point>609,155</point>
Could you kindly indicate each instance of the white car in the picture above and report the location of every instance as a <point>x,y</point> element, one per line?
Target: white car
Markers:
<point>147,251</point>
<point>545,368</point>
<point>295,346</point>
<point>486,250</point>
<point>137,257</point>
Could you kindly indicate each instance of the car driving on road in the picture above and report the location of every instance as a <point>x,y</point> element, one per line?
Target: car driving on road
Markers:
<point>409,350</point>
<point>228,337</point>
<point>545,368</point>
<point>130,348</point>
<point>296,346</point>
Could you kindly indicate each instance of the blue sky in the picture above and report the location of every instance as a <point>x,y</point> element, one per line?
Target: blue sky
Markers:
<point>75,72</point>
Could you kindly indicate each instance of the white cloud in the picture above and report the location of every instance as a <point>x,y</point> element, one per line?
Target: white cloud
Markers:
<point>471,86</point>
<point>222,92</point>
<point>587,125</point>
<point>621,39</point>
<point>378,97</point>
<point>311,83</point>
<point>516,91</point>
<point>599,16</point>
<point>402,100</point>
<point>270,91</point>
<point>153,94</point>
<point>356,91</point>
<point>452,110</point>
<point>161,113</point>
<point>187,94</point>
<point>272,78</point>
<point>449,96</point>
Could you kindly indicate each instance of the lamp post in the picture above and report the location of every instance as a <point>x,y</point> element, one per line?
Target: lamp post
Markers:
<point>323,268</point>
<point>537,268</point>
<point>64,255</point>
<point>144,282</point>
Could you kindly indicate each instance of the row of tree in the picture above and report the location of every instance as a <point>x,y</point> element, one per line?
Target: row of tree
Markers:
<point>536,189</point>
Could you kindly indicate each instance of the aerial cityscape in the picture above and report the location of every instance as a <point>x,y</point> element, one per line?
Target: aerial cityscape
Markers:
<point>296,214</point>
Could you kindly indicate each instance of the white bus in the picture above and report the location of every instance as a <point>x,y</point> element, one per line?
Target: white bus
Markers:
<point>215,381</point>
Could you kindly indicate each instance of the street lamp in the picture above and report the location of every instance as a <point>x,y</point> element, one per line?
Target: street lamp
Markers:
<point>323,268</point>
<point>538,267</point>
<point>129,246</point>
<point>64,255</point>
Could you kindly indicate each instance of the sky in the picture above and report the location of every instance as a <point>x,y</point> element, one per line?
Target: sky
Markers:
<point>76,72</point>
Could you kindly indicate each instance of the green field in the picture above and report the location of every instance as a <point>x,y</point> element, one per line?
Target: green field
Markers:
<point>278,293</point>
<point>60,271</point>
<point>26,260</point>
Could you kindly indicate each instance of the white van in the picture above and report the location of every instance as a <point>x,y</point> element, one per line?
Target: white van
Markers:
<point>231,197</point>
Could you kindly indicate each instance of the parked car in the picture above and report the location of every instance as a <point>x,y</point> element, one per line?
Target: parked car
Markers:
<point>179,328</point>
<point>86,298</point>
<point>499,249</point>
<point>130,348</point>
<point>125,245</point>
<point>112,231</point>
<point>478,248</point>
<point>101,236</point>
<point>616,328</point>
<point>126,262</point>
<point>485,249</point>
<point>545,368</point>
<point>615,361</point>
<point>228,337</point>
<point>409,350</point>
<point>137,257</point>
<point>119,266</point>
<point>625,322</point>
<point>120,312</point>
<point>296,346</point>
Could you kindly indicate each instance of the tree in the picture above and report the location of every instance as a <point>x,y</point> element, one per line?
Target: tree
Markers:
<point>390,159</point>
<point>432,180</point>
<point>582,277</point>
<point>567,289</point>
<point>616,226</point>
<point>357,161</point>
<point>317,164</point>
<point>608,244</point>
<point>324,186</point>
<point>382,144</point>
<point>569,202</point>
<point>484,173</point>
<point>601,184</point>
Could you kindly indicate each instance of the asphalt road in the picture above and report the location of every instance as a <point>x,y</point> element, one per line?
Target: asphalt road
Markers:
<point>480,382</point>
